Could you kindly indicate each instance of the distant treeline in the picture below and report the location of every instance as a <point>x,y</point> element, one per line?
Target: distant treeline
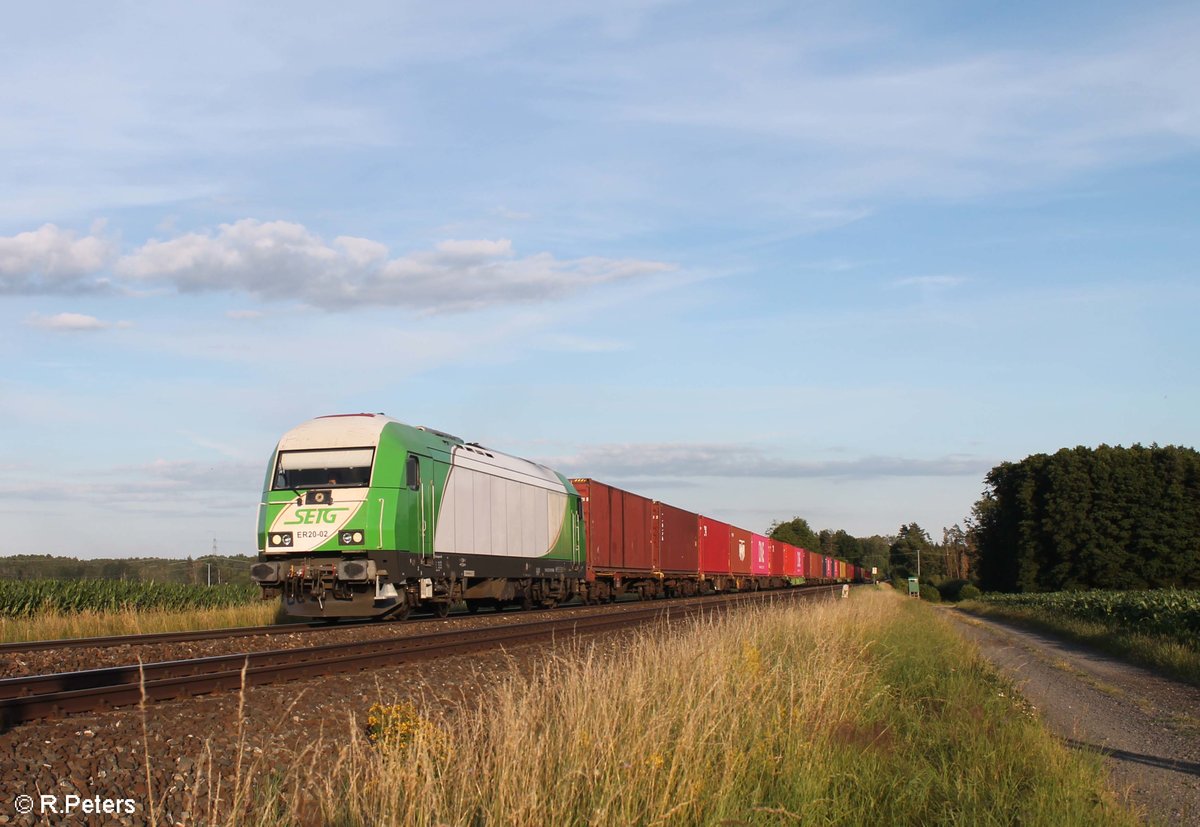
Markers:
<point>221,569</point>
<point>1104,518</point>
<point>897,555</point>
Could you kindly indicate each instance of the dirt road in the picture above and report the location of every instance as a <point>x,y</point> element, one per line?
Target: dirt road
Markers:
<point>1147,726</point>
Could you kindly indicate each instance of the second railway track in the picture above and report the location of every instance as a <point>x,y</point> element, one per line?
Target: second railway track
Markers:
<point>38,697</point>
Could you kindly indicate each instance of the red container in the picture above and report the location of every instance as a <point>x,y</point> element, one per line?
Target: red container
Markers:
<point>777,555</point>
<point>814,570</point>
<point>619,528</point>
<point>760,555</point>
<point>677,540</point>
<point>741,555</point>
<point>793,561</point>
<point>827,566</point>
<point>714,546</point>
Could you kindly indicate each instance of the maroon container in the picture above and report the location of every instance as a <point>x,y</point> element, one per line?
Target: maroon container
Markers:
<point>619,528</point>
<point>713,540</point>
<point>777,555</point>
<point>741,553</point>
<point>815,566</point>
<point>677,540</point>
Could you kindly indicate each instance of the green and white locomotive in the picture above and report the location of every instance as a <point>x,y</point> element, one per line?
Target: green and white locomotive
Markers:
<point>364,516</point>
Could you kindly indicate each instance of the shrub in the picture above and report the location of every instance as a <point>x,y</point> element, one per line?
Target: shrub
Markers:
<point>930,593</point>
<point>949,589</point>
<point>969,592</point>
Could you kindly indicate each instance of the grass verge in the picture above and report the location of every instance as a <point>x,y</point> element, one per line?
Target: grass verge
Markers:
<point>1155,651</point>
<point>62,626</point>
<point>867,711</point>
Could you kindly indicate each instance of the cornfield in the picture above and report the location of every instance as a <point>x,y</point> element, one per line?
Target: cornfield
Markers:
<point>28,598</point>
<point>1165,612</point>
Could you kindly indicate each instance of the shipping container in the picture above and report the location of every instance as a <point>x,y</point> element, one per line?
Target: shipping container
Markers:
<point>619,527</point>
<point>814,571</point>
<point>777,554</point>
<point>826,566</point>
<point>714,547</point>
<point>741,557</point>
<point>760,555</point>
<point>677,540</point>
<point>793,561</point>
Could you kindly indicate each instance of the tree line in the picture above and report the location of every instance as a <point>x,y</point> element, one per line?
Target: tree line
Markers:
<point>896,555</point>
<point>1091,518</point>
<point>209,568</point>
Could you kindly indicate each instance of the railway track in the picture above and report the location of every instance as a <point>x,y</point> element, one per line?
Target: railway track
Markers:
<point>38,697</point>
<point>170,637</point>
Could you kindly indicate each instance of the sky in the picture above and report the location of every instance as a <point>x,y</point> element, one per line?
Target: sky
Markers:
<point>757,260</point>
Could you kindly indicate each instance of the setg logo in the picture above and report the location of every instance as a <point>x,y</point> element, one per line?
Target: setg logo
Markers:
<point>315,516</point>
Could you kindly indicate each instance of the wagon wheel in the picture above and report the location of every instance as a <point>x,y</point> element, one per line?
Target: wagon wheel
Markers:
<point>472,606</point>
<point>441,609</point>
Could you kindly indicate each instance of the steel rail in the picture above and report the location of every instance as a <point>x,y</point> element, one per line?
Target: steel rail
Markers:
<point>150,638</point>
<point>171,637</point>
<point>48,696</point>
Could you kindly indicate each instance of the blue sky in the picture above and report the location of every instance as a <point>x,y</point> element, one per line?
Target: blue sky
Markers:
<point>758,260</point>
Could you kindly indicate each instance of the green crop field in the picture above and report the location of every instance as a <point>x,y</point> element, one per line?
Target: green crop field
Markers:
<point>29,598</point>
<point>1165,612</point>
<point>1158,628</point>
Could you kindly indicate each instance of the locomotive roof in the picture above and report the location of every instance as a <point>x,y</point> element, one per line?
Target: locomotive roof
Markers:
<point>337,431</point>
<point>363,430</point>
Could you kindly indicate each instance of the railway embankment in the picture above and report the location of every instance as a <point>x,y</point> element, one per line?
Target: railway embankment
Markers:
<point>868,710</point>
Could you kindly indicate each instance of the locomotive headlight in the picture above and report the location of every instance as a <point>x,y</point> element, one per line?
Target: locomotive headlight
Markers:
<point>280,539</point>
<point>350,537</point>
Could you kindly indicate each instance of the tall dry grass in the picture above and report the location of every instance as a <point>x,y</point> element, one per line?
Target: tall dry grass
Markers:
<point>867,711</point>
<point>59,626</point>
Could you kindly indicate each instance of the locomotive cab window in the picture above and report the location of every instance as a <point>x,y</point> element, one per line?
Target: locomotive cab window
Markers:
<point>412,472</point>
<point>335,468</point>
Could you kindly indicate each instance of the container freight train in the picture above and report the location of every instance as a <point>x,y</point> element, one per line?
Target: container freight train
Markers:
<point>364,516</point>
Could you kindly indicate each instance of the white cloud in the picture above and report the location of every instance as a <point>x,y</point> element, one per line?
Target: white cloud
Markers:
<point>629,461</point>
<point>53,260</point>
<point>243,314</point>
<point>72,323</point>
<point>279,260</point>
<point>161,486</point>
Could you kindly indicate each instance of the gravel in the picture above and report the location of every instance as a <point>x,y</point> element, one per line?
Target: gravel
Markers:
<point>194,745</point>
<point>192,748</point>
<point>1147,726</point>
<point>50,661</point>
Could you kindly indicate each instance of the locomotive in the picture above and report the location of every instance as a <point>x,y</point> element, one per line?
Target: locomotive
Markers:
<point>364,516</point>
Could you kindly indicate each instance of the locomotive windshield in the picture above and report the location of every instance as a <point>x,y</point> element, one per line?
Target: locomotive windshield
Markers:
<point>329,468</point>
